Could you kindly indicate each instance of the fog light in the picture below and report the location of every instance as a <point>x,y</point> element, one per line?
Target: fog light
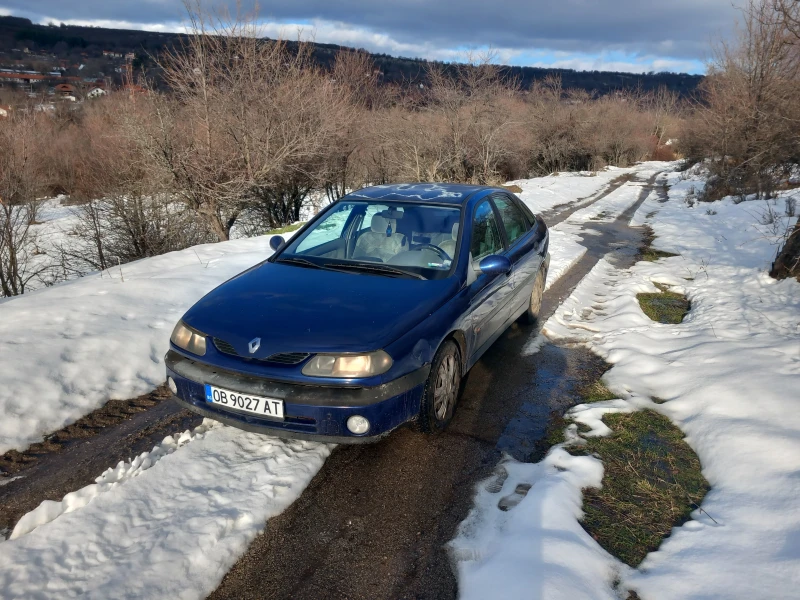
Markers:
<point>172,387</point>
<point>358,425</point>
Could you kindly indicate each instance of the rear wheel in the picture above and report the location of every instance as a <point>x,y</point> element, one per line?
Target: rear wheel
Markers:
<point>531,315</point>
<point>441,389</point>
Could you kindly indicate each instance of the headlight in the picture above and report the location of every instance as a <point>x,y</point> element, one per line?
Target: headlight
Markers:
<point>348,365</point>
<point>189,339</point>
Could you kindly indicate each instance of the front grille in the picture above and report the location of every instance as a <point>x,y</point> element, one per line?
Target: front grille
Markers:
<point>225,347</point>
<point>281,358</point>
<point>288,358</point>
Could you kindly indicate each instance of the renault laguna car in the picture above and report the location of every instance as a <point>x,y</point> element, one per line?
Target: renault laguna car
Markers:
<point>368,318</point>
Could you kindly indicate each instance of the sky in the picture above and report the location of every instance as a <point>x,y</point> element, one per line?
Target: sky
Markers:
<point>616,35</point>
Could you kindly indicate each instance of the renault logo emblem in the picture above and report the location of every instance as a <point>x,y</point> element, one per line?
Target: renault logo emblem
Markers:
<point>254,345</point>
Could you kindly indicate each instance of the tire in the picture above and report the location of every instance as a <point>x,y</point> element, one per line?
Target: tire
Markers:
<point>436,409</point>
<point>531,314</point>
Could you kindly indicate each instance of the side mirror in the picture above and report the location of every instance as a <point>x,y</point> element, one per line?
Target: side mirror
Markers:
<point>276,242</point>
<point>495,265</point>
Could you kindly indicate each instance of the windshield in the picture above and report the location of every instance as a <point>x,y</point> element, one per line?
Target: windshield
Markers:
<point>394,239</point>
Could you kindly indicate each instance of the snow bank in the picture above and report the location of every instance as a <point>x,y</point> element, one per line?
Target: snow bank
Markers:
<point>68,349</point>
<point>168,531</point>
<point>533,547</point>
<point>730,375</point>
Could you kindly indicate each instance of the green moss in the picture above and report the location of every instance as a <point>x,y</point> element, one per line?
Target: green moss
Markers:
<point>651,255</point>
<point>595,391</point>
<point>646,250</point>
<point>665,306</point>
<point>652,481</point>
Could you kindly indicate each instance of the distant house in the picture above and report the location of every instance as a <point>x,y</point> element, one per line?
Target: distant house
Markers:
<point>110,54</point>
<point>65,89</point>
<point>130,56</point>
<point>96,93</point>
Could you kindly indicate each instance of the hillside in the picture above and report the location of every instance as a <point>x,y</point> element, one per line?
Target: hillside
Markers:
<point>99,52</point>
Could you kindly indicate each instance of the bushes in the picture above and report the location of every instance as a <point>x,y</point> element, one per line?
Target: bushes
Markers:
<point>748,117</point>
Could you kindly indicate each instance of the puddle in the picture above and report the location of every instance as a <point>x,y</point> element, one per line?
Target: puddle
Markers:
<point>560,373</point>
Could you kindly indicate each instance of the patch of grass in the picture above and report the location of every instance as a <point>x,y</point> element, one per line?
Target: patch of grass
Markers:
<point>512,188</point>
<point>646,250</point>
<point>664,306</point>
<point>286,229</point>
<point>651,483</point>
<point>652,255</point>
<point>595,391</point>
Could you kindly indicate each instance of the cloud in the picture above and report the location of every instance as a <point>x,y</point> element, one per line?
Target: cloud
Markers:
<point>650,35</point>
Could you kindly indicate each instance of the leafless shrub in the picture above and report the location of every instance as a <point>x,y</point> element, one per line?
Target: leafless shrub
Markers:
<point>20,141</point>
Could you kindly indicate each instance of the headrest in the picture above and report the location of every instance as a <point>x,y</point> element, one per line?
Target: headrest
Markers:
<point>454,231</point>
<point>379,224</point>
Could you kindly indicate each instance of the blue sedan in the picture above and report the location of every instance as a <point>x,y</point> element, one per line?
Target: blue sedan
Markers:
<point>368,318</point>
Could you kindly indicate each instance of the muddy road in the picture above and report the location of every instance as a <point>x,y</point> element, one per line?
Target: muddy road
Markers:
<point>374,521</point>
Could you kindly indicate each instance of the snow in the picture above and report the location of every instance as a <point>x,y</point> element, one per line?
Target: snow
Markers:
<point>536,548</point>
<point>68,349</point>
<point>542,194</point>
<point>730,375</point>
<point>168,525</point>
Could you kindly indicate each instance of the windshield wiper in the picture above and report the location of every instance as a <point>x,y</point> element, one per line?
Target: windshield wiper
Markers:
<point>303,262</point>
<point>374,268</point>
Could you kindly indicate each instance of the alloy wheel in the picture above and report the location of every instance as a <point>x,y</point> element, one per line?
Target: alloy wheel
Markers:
<point>446,389</point>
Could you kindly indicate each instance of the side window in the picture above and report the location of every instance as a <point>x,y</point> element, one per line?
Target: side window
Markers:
<point>514,220</point>
<point>485,233</point>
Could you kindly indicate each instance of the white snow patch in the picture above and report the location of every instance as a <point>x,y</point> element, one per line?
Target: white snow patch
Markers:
<point>536,548</point>
<point>168,531</point>
<point>48,510</point>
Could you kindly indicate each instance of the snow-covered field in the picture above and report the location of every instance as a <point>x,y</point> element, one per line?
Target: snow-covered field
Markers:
<point>730,374</point>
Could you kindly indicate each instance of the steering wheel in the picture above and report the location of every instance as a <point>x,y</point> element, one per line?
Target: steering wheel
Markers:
<point>442,254</point>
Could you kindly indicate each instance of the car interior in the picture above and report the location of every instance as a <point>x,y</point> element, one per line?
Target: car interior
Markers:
<point>420,236</point>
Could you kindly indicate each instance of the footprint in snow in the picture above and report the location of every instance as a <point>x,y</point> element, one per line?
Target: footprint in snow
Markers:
<point>497,482</point>
<point>508,502</point>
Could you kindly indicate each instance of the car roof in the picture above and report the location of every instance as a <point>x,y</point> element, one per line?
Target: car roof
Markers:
<point>440,193</point>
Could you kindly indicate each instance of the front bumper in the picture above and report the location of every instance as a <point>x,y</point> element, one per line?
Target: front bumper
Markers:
<point>314,412</point>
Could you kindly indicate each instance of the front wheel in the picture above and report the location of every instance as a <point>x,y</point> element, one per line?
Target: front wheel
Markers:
<point>441,389</point>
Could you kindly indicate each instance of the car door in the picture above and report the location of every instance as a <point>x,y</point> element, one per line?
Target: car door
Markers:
<point>489,295</point>
<point>522,250</point>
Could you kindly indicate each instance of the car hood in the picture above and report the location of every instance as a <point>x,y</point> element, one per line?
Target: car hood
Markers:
<point>297,309</point>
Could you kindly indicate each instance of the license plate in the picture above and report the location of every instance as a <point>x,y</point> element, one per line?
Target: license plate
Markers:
<point>256,405</point>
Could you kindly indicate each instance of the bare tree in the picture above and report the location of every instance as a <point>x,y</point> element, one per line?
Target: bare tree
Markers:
<point>19,184</point>
<point>248,123</point>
